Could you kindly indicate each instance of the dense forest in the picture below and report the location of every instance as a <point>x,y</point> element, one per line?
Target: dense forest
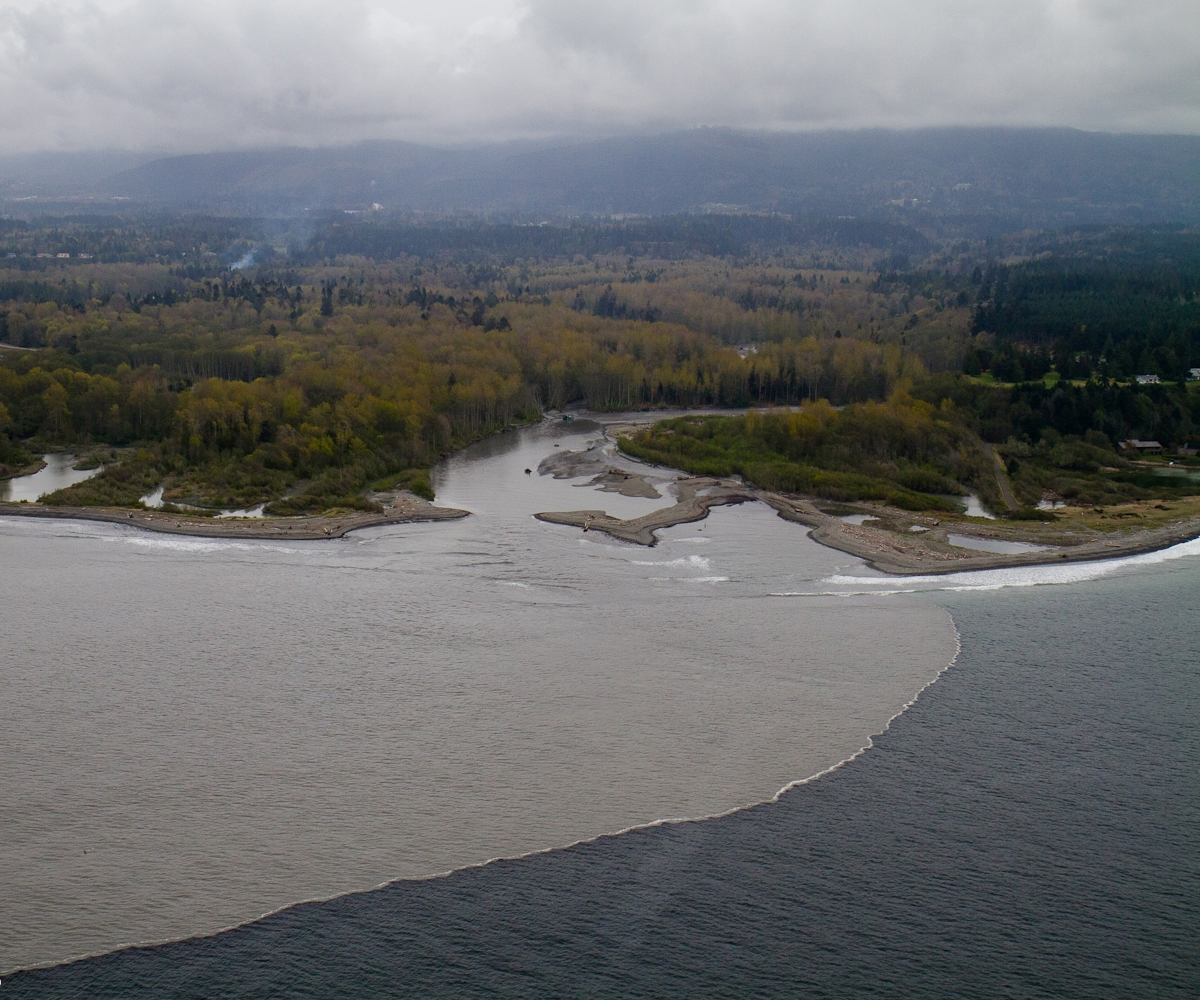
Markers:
<point>216,242</point>
<point>1110,303</point>
<point>244,374</point>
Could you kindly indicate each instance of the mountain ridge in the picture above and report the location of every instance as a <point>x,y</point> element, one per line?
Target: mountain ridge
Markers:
<point>1017,177</point>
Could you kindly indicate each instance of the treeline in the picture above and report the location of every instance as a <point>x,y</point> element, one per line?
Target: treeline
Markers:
<point>304,386</point>
<point>806,333</point>
<point>139,239</point>
<point>1101,319</point>
<point>1169,414</point>
<point>671,237</point>
<point>24,295</point>
<point>363,405</point>
<point>203,245</point>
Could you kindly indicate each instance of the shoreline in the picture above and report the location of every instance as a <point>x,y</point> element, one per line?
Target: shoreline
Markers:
<point>405,509</point>
<point>904,543</point>
<point>896,542</point>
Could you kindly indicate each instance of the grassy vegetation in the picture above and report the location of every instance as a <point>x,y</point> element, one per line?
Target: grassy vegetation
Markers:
<point>903,452</point>
<point>414,480</point>
<point>1090,472</point>
<point>1153,513</point>
<point>908,453</point>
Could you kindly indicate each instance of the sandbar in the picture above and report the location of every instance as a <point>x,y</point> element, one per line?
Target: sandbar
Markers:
<point>399,508</point>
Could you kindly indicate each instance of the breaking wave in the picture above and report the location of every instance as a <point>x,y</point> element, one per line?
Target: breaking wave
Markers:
<point>994,579</point>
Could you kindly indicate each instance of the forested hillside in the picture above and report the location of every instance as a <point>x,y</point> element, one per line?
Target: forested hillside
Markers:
<point>1110,303</point>
<point>965,180</point>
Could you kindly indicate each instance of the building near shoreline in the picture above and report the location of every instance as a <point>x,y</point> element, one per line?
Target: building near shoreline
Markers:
<point>1143,447</point>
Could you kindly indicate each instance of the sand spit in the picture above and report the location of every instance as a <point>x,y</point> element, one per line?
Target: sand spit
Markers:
<point>695,496</point>
<point>400,508</point>
<point>591,461</point>
<point>891,544</point>
<point>595,462</point>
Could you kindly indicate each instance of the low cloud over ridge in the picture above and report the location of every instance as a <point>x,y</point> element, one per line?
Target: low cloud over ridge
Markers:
<point>180,75</point>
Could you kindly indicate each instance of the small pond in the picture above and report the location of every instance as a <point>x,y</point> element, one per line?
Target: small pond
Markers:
<point>970,505</point>
<point>155,499</point>
<point>993,545</point>
<point>1180,472</point>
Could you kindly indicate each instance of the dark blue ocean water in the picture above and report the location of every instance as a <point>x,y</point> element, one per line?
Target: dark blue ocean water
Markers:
<point>1030,828</point>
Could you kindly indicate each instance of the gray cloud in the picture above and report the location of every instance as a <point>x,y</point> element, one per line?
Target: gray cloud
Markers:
<point>220,74</point>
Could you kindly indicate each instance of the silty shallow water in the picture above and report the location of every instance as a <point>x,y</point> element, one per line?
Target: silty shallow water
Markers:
<point>200,731</point>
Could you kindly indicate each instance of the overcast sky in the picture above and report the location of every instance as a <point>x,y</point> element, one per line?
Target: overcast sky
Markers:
<point>193,75</point>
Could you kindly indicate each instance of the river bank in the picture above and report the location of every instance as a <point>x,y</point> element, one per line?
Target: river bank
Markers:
<point>902,543</point>
<point>888,539</point>
<point>400,508</point>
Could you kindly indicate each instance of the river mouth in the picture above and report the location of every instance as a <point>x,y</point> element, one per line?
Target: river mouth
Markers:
<point>214,729</point>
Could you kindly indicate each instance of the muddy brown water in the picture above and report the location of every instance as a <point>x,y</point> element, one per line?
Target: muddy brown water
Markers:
<point>200,731</point>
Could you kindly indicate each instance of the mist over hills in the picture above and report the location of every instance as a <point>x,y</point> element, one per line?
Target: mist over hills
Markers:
<point>38,177</point>
<point>977,179</point>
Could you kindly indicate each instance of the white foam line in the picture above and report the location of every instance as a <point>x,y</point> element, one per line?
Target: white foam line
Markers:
<point>668,821</point>
<point>1027,576</point>
<point>701,561</point>
<point>195,544</point>
<point>842,593</point>
<point>134,535</point>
